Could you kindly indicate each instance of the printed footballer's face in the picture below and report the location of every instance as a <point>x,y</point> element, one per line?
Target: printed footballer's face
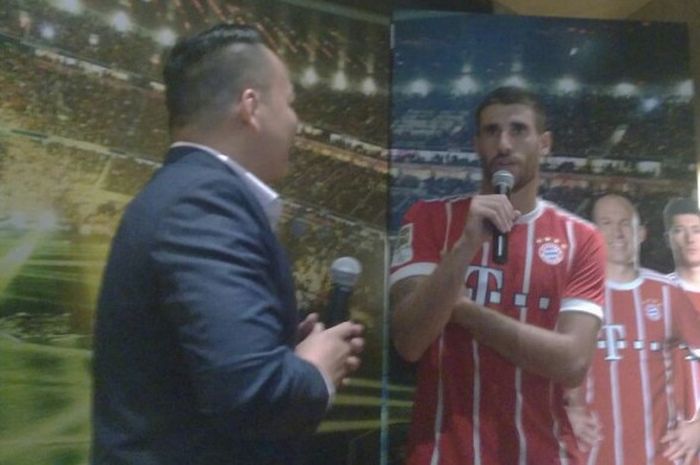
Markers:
<point>508,140</point>
<point>617,220</point>
<point>684,239</point>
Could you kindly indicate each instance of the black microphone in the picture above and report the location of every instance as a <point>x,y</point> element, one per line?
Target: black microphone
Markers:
<point>502,182</point>
<point>345,272</point>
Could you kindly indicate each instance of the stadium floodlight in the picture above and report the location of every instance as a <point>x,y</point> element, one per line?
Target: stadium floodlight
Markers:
<point>567,85</point>
<point>465,85</point>
<point>648,104</point>
<point>340,80</point>
<point>420,87</point>
<point>310,77</point>
<point>685,90</point>
<point>71,6</point>
<point>47,31</point>
<point>121,22</point>
<point>625,89</point>
<point>369,86</point>
<point>516,81</point>
<point>166,37</point>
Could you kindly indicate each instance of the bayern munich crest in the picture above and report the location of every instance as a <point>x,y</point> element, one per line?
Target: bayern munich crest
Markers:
<point>653,309</point>
<point>551,250</point>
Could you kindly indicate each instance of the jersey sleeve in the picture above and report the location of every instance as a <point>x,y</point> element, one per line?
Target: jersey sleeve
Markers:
<point>686,320</point>
<point>585,290</point>
<point>418,247</point>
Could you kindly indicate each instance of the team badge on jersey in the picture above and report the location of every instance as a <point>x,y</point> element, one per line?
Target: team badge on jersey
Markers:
<point>403,247</point>
<point>653,309</point>
<point>550,250</point>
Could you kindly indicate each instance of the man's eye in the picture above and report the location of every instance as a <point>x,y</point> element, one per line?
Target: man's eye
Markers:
<point>519,130</point>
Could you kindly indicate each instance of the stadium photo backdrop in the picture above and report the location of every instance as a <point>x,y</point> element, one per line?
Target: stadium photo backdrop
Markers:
<point>618,96</point>
<point>82,128</point>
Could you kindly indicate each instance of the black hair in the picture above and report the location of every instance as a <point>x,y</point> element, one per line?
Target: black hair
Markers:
<point>206,72</point>
<point>511,95</point>
<point>679,206</point>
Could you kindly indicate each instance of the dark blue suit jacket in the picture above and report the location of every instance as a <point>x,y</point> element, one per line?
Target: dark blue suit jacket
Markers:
<point>195,332</point>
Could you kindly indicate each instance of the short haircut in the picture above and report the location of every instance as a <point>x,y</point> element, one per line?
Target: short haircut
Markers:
<point>206,72</point>
<point>510,95</point>
<point>679,206</point>
<point>621,195</point>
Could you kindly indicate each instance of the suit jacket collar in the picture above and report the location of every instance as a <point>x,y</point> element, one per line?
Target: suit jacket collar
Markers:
<point>266,197</point>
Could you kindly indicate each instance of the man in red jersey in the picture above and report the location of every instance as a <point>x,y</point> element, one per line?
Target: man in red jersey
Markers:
<point>496,343</point>
<point>682,226</point>
<point>634,391</point>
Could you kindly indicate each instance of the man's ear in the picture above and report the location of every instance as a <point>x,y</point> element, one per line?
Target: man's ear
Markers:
<point>248,107</point>
<point>545,143</point>
<point>642,233</point>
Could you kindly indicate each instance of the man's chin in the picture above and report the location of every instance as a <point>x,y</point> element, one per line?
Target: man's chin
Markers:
<point>693,263</point>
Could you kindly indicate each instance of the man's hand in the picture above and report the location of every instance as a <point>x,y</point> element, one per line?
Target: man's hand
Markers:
<point>334,351</point>
<point>586,426</point>
<point>683,442</point>
<point>305,327</point>
<point>487,212</point>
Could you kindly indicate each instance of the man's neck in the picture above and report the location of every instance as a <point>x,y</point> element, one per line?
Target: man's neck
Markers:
<point>524,199</point>
<point>689,274</point>
<point>621,273</point>
<point>199,138</point>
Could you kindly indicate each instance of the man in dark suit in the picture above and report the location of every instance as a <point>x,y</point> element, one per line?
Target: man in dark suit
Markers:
<point>199,357</point>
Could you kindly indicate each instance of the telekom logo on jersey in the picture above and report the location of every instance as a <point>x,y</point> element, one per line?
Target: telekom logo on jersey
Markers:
<point>614,343</point>
<point>483,276</point>
<point>490,285</point>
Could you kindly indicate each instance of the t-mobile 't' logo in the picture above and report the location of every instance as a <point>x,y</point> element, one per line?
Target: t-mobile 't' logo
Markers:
<point>486,278</point>
<point>613,335</point>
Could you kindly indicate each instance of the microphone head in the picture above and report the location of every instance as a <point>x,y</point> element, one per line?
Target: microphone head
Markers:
<point>503,178</point>
<point>345,271</point>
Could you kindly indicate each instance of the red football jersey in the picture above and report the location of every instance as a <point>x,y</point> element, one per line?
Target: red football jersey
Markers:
<point>633,387</point>
<point>692,367</point>
<point>472,406</point>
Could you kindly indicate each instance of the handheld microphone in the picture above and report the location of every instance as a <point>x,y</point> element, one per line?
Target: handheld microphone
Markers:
<point>502,182</point>
<point>345,272</point>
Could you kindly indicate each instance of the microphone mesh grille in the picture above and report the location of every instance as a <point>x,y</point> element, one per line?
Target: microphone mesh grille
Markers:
<point>503,178</point>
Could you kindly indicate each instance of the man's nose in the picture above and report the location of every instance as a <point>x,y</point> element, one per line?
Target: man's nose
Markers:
<point>504,143</point>
<point>617,231</point>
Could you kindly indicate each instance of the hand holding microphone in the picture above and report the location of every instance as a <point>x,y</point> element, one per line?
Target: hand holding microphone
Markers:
<point>335,350</point>
<point>502,182</point>
<point>492,215</point>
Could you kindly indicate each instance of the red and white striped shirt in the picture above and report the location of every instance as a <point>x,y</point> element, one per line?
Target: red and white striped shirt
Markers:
<point>633,385</point>
<point>472,406</point>
<point>692,365</point>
